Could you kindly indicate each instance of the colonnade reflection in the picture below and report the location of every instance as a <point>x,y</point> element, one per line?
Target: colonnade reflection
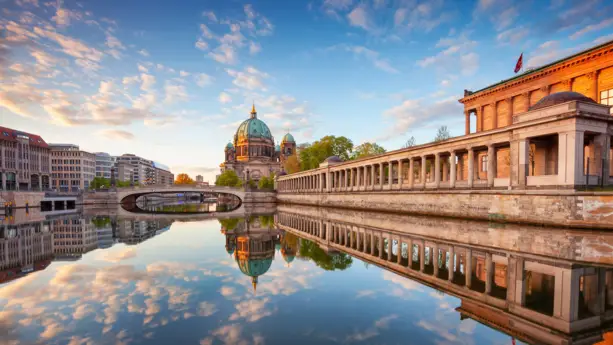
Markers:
<point>545,295</point>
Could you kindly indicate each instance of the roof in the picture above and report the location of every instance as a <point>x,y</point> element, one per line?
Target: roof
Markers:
<point>544,67</point>
<point>253,128</point>
<point>288,138</point>
<point>10,134</point>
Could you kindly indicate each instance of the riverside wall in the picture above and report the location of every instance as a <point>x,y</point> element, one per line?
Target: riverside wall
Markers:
<point>562,208</point>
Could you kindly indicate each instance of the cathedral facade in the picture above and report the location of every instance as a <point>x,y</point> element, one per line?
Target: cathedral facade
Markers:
<point>252,153</point>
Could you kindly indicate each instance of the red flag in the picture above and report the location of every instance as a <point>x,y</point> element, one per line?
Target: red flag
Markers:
<point>520,63</point>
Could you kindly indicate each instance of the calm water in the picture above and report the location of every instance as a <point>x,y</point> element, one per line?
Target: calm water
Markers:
<point>91,278</point>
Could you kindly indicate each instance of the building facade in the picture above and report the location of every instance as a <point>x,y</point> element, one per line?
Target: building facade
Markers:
<point>73,237</point>
<point>124,172</point>
<point>24,248</point>
<point>252,154</point>
<point>143,171</point>
<point>163,176</point>
<point>24,161</point>
<point>104,164</point>
<point>72,168</point>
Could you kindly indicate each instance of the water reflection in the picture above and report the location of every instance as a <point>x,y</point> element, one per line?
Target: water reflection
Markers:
<point>184,203</point>
<point>302,276</point>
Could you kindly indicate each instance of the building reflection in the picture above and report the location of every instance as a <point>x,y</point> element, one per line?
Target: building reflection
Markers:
<point>549,295</point>
<point>30,245</point>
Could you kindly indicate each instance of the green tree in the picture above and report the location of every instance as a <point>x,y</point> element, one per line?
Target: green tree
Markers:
<point>230,223</point>
<point>442,134</point>
<point>310,250</point>
<point>291,164</point>
<point>101,222</point>
<point>228,178</point>
<point>311,155</point>
<point>99,182</point>
<point>410,142</point>
<point>367,149</point>
<point>267,182</point>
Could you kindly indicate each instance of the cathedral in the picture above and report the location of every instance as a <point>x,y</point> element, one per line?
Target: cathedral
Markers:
<point>252,154</point>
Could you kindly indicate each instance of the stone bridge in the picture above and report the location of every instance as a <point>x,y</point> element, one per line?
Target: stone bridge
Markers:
<point>131,194</point>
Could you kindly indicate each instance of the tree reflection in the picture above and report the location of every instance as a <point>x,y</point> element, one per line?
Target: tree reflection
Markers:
<point>329,262</point>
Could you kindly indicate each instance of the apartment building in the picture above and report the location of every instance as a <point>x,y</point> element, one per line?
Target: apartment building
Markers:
<point>72,168</point>
<point>163,175</point>
<point>24,161</point>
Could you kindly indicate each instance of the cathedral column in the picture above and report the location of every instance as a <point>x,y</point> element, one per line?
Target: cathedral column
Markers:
<point>467,122</point>
<point>372,176</point>
<point>358,177</point>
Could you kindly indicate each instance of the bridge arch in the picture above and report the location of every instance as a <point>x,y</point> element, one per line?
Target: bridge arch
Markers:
<point>125,195</point>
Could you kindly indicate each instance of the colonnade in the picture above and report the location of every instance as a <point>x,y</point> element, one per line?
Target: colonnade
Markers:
<point>543,290</point>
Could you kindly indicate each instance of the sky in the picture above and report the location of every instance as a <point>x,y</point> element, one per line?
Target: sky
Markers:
<point>171,81</point>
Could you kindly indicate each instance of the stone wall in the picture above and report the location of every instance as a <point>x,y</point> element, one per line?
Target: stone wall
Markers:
<point>553,208</point>
<point>19,199</point>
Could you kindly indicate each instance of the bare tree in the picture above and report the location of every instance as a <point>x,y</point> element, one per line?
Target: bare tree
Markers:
<point>410,142</point>
<point>442,134</point>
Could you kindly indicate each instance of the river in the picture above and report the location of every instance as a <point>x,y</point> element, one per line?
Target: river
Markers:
<point>292,275</point>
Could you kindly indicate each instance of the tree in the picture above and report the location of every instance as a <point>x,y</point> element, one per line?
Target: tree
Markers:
<point>184,179</point>
<point>410,142</point>
<point>442,134</point>
<point>99,182</point>
<point>338,261</point>
<point>311,155</point>
<point>291,164</point>
<point>267,182</point>
<point>367,149</point>
<point>229,179</point>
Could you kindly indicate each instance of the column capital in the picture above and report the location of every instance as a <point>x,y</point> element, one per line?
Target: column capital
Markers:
<point>509,100</point>
<point>545,88</point>
<point>592,75</point>
<point>566,82</point>
<point>526,94</point>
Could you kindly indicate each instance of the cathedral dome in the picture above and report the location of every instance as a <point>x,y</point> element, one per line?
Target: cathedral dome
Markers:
<point>229,146</point>
<point>560,97</point>
<point>254,267</point>
<point>288,138</point>
<point>277,148</point>
<point>253,128</point>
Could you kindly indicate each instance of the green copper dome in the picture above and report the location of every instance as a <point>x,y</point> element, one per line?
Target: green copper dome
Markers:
<point>229,146</point>
<point>254,267</point>
<point>253,128</point>
<point>288,138</point>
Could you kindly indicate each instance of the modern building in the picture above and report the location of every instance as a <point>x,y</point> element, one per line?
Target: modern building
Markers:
<point>73,237</point>
<point>124,172</point>
<point>24,248</point>
<point>143,169</point>
<point>24,161</point>
<point>72,168</point>
<point>163,176</point>
<point>199,179</point>
<point>253,154</point>
<point>104,164</point>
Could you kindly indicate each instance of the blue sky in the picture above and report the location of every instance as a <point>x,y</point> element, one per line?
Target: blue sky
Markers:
<point>171,81</point>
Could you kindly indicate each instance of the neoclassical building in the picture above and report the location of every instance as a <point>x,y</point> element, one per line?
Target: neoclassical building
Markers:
<point>253,153</point>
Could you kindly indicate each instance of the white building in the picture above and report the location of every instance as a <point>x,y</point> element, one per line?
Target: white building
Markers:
<point>104,164</point>
<point>144,171</point>
<point>72,169</point>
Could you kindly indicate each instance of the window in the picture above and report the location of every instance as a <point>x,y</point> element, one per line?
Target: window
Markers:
<point>484,164</point>
<point>606,97</point>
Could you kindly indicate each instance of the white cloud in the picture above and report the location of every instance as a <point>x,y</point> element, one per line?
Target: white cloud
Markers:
<point>142,69</point>
<point>254,48</point>
<point>250,78</point>
<point>361,18</point>
<point>594,27</point>
<point>116,134</point>
<point>224,98</point>
<point>174,93</point>
<point>513,36</point>
<point>203,79</point>
<point>210,15</point>
<point>148,81</point>
<point>373,56</point>
<point>206,32</point>
<point>183,73</point>
<point>224,54</point>
<point>469,64</point>
<point>144,52</point>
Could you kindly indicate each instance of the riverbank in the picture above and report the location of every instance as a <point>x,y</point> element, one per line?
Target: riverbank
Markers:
<point>561,208</point>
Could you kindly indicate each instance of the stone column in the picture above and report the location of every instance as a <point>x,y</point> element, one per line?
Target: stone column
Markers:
<point>389,247</point>
<point>435,258</point>
<point>451,266</point>
<point>422,256</point>
<point>372,176</point>
<point>411,167</point>
<point>467,120</point>
<point>380,175</point>
<point>479,114</point>
<point>491,165</point>
<point>602,146</point>
<point>452,169</point>
<point>423,171</point>
<point>358,178</point>
<point>489,271</point>
<point>400,175</point>
<point>495,116</point>
<point>381,250</point>
<point>524,162</point>
<point>437,170</point>
<point>409,252</point>
<point>390,174</point>
<point>468,266</point>
<point>399,251</point>
<point>510,108</point>
<point>471,167</point>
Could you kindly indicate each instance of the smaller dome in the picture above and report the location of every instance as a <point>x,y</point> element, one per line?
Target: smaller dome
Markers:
<point>559,98</point>
<point>288,138</point>
<point>278,148</point>
<point>282,173</point>
<point>333,159</point>
<point>229,146</point>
